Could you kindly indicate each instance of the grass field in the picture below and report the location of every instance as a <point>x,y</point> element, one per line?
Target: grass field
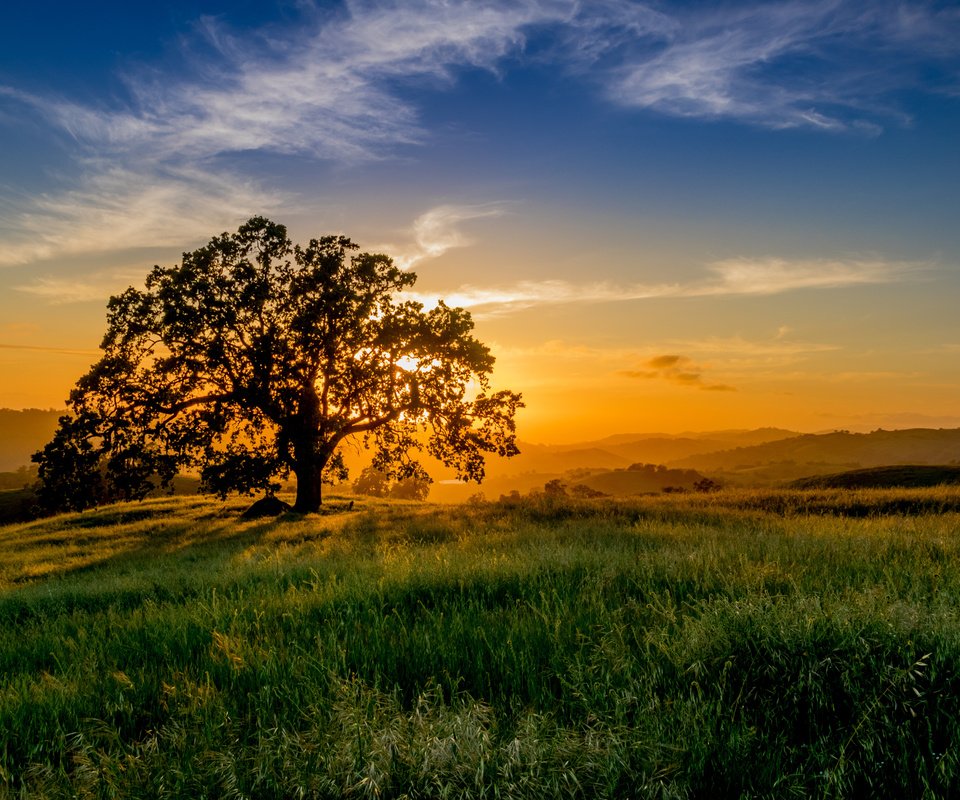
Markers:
<point>730,645</point>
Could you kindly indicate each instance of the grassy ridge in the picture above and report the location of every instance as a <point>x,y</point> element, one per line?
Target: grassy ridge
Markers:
<point>904,475</point>
<point>671,647</point>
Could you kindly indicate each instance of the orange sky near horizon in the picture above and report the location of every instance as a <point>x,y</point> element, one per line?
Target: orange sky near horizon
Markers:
<point>664,217</point>
<point>642,365</point>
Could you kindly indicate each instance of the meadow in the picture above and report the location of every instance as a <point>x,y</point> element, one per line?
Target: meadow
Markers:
<point>734,644</point>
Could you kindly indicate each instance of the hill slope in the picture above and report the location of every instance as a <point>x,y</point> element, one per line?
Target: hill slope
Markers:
<point>627,482</point>
<point>883,478</point>
<point>837,450</point>
<point>549,648</point>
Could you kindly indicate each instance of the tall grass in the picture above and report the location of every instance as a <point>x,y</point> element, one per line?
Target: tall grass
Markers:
<point>732,646</point>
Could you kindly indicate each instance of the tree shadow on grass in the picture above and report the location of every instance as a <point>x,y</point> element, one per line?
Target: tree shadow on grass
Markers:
<point>166,540</point>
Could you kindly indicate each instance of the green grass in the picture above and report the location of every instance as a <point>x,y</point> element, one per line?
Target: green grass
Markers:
<point>733,645</point>
<point>904,475</point>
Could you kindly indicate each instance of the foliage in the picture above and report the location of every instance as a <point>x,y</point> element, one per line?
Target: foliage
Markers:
<point>254,359</point>
<point>558,488</point>
<point>582,490</point>
<point>376,483</point>
<point>682,646</point>
<point>555,488</point>
<point>372,482</point>
<point>412,488</point>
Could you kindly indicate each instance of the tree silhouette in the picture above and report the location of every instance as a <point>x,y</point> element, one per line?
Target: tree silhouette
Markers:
<point>254,359</point>
<point>375,483</point>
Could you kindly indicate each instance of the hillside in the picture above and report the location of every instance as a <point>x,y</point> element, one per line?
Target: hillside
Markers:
<point>765,456</point>
<point>811,454</point>
<point>538,463</point>
<point>672,646</point>
<point>907,476</point>
<point>627,482</point>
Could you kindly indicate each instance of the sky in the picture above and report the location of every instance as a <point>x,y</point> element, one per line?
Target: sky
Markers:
<point>664,216</point>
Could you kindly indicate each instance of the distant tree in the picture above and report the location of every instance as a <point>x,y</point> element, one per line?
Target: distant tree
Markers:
<point>555,488</point>
<point>412,488</point>
<point>582,490</point>
<point>254,359</point>
<point>377,483</point>
<point>640,467</point>
<point>372,482</point>
<point>706,485</point>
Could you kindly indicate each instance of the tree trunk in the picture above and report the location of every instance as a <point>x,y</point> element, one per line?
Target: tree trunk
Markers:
<point>309,452</point>
<point>310,463</point>
<point>309,489</point>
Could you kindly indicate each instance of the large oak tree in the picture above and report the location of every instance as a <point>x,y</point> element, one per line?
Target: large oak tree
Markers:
<point>254,359</point>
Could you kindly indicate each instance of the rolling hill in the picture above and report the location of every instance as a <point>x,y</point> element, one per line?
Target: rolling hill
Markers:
<point>905,476</point>
<point>813,454</point>
<point>629,482</point>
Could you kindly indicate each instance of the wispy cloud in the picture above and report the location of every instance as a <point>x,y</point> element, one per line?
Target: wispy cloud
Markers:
<point>789,64</point>
<point>728,277</point>
<point>152,172</point>
<point>64,351</point>
<point>776,275</point>
<point>323,88</point>
<point>161,167</point>
<point>96,287</point>
<point>716,364</point>
<point>439,230</point>
<point>677,369</point>
<point>118,207</point>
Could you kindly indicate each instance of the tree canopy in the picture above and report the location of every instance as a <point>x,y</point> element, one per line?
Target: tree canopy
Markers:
<point>254,359</point>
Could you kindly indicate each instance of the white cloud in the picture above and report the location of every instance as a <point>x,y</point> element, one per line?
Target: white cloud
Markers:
<point>788,64</point>
<point>321,90</point>
<point>776,275</point>
<point>438,230</point>
<point>149,174</point>
<point>729,277</point>
<point>120,207</point>
<point>333,86</point>
<point>97,287</point>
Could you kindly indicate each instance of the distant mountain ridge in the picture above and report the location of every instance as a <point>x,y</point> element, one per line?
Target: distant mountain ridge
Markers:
<point>810,454</point>
<point>622,450</point>
<point>762,456</point>
<point>584,462</point>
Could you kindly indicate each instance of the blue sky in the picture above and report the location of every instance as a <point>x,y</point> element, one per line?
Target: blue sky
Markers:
<point>767,191</point>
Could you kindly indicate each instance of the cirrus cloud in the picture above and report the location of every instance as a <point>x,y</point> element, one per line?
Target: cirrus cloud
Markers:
<point>334,85</point>
<point>746,277</point>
